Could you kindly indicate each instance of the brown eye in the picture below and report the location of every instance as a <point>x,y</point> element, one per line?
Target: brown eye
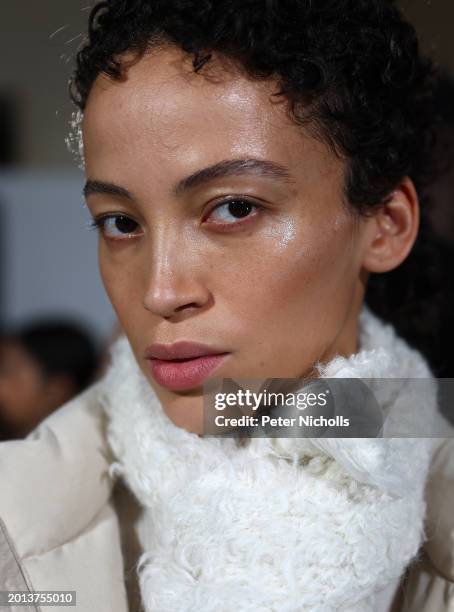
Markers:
<point>124,225</point>
<point>239,208</point>
<point>232,210</point>
<point>117,226</point>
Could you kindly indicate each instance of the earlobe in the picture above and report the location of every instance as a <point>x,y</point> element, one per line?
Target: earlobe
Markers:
<point>392,230</point>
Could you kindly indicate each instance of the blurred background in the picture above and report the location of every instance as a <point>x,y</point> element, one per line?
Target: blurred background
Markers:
<point>48,259</point>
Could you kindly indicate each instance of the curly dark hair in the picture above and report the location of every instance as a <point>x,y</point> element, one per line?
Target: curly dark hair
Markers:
<point>351,71</point>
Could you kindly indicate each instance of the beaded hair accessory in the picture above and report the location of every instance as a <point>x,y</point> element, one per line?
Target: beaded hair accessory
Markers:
<point>74,141</point>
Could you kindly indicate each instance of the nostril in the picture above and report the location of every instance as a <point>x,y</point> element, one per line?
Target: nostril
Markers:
<point>192,305</point>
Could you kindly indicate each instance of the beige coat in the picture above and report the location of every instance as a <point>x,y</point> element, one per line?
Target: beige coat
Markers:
<point>65,526</point>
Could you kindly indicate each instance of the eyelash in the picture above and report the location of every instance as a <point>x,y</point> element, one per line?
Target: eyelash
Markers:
<point>230,200</point>
<point>98,223</point>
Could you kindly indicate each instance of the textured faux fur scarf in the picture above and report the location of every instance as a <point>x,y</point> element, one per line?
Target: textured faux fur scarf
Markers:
<point>280,525</point>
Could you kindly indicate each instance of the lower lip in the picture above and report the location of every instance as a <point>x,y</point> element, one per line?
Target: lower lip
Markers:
<point>179,375</point>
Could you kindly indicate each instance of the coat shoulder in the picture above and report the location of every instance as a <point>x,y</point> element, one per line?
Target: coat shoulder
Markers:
<point>60,470</point>
<point>59,528</point>
<point>440,510</point>
<point>429,582</point>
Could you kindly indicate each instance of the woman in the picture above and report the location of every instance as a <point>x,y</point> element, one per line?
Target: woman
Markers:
<point>250,168</point>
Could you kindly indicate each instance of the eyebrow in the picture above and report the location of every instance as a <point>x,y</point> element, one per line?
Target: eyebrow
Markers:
<point>94,187</point>
<point>233,167</point>
<point>223,169</point>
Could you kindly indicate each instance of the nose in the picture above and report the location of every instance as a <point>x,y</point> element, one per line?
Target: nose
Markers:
<point>174,285</point>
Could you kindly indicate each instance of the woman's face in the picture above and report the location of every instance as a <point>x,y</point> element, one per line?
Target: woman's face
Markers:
<point>224,224</point>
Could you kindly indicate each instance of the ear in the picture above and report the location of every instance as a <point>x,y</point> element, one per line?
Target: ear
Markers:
<point>391,232</point>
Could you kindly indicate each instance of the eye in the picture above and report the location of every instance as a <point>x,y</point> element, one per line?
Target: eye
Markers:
<point>231,211</point>
<point>117,227</point>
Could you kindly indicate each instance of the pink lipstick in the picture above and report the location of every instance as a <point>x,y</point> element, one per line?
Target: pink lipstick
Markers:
<point>183,365</point>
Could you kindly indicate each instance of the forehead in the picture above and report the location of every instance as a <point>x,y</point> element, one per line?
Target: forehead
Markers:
<point>164,108</point>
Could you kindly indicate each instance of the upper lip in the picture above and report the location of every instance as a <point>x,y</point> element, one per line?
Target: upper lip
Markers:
<point>180,350</point>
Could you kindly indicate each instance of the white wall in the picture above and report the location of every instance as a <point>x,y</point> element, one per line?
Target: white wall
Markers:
<point>48,256</point>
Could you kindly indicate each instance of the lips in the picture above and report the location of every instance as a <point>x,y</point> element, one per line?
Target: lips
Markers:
<point>183,365</point>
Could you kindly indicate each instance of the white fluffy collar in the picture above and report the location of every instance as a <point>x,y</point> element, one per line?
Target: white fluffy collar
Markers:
<point>250,528</point>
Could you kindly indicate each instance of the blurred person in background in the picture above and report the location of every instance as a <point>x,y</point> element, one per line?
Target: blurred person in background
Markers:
<point>42,366</point>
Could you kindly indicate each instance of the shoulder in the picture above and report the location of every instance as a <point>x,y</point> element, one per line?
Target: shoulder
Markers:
<point>58,524</point>
<point>429,583</point>
<point>440,504</point>
<point>60,472</point>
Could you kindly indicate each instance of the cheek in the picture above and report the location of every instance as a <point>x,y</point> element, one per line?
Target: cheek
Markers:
<point>22,392</point>
<point>287,294</point>
<point>291,271</point>
<point>120,275</point>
